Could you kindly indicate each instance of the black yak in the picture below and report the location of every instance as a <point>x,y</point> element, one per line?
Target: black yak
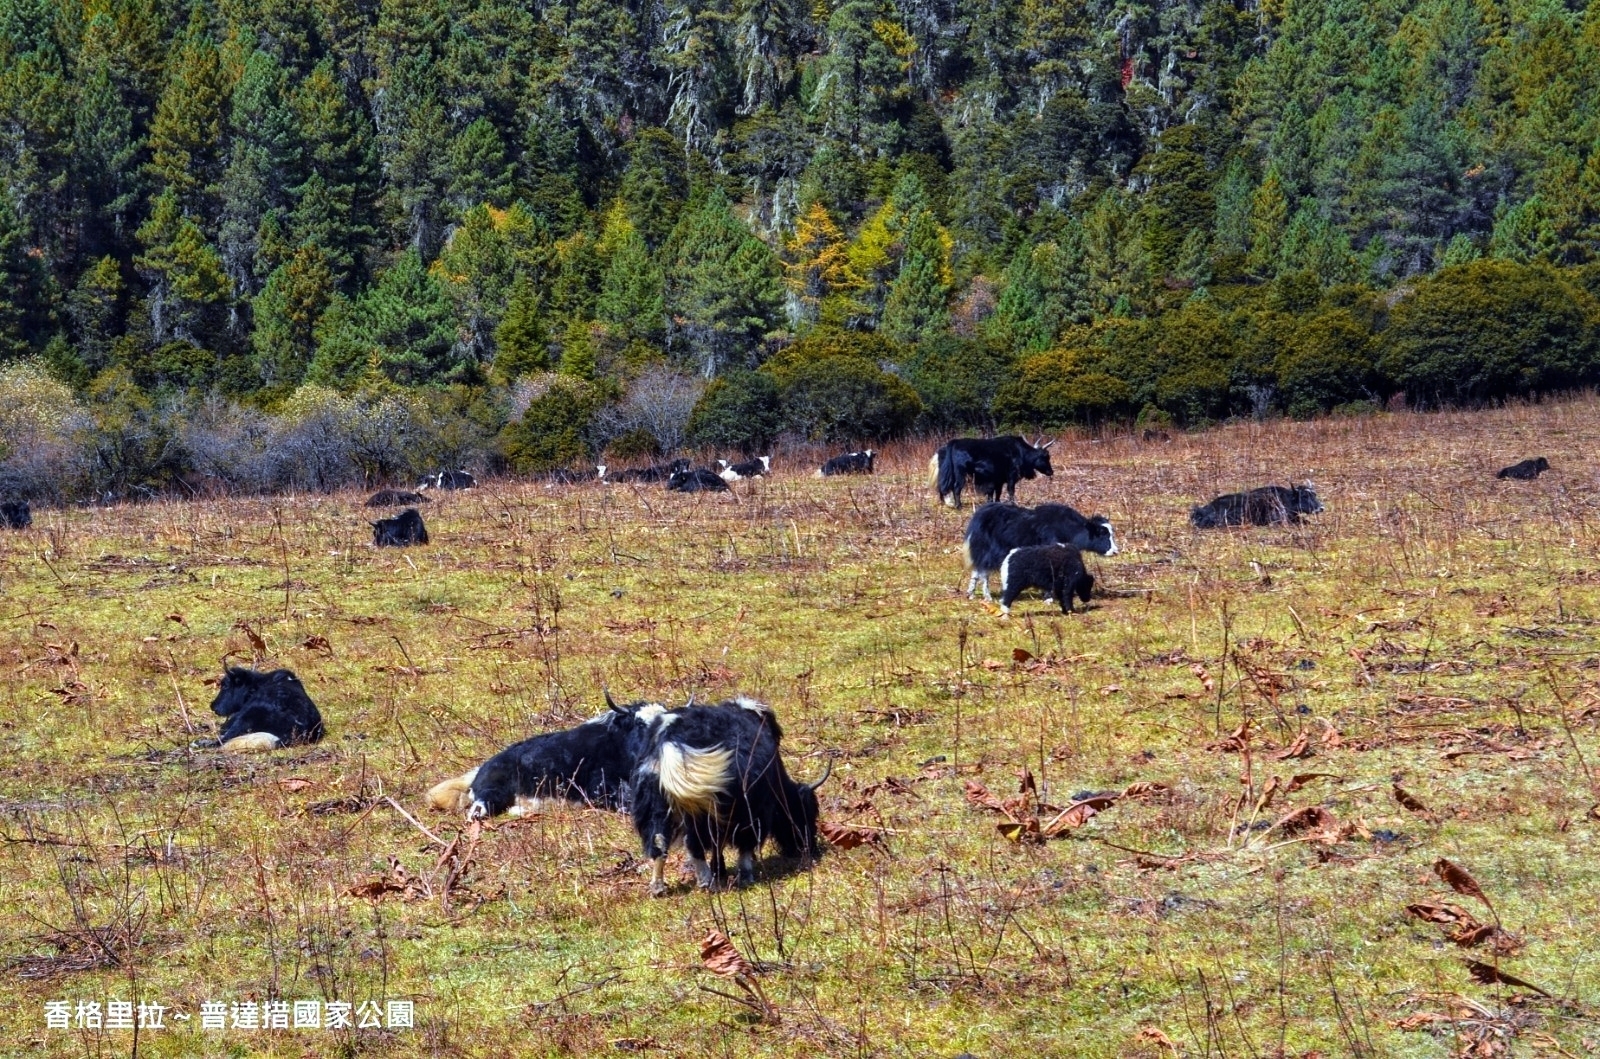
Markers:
<point>756,468</point>
<point>1267,506</point>
<point>848,463</point>
<point>401,531</point>
<point>699,480</point>
<point>659,472</point>
<point>395,498</point>
<point>714,775</point>
<point>16,514</point>
<point>1527,470</point>
<point>264,711</point>
<point>991,463</point>
<point>448,480</point>
<point>995,529</point>
<point>1055,569</point>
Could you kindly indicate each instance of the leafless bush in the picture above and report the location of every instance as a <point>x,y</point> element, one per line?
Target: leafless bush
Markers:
<point>658,403</point>
<point>39,418</point>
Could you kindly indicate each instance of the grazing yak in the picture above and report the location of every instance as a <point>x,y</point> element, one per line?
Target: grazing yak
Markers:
<point>264,711</point>
<point>448,480</point>
<point>1055,569</point>
<point>16,514</point>
<point>660,472</point>
<point>591,764</point>
<point>1527,470</point>
<point>995,529</point>
<point>759,467</point>
<point>1267,506</point>
<point>401,531</point>
<point>699,480</point>
<point>714,775</point>
<point>395,498</point>
<point>991,464</point>
<point>848,463</point>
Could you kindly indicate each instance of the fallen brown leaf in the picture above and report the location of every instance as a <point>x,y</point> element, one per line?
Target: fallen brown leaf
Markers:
<point>1154,1036</point>
<point>1267,793</point>
<point>841,836</point>
<point>1301,747</point>
<point>721,958</point>
<point>1302,778</point>
<point>1438,912</point>
<point>1021,654</point>
<point>1021,830</point>
<point>1458,879</point>
<point>294,783</point>
<point>1079,813</point>
<point>1311,818</point>
<point>1409,801</point>
<point>1145,788</point>
<point>1205,678</point>
<point>1489,974</point>
<point>979,795</point>
<point>1235,741</point>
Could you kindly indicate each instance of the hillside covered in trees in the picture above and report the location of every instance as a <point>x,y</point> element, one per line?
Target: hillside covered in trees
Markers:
<point>526,229</point>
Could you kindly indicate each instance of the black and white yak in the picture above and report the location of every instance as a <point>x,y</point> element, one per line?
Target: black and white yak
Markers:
<point>995,529</point>
<point>395,498</point>
<point>848,463</point>
<point>401,531</point>
<point>759,467</point>
<point>1527,470</point>
<point>1268,506</point>
<point>16,514</point>
<point>264,711</point>
<point>991,464</point>
<point>713,774</point>
<point>699,480</point>
<point>591,764</point>
<point>1055,569</point>
<point>448,480</point>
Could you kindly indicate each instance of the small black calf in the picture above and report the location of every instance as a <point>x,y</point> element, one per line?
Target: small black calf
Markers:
<point>1267,506</point>
<point>395,497</point>
<point>1055,569</point>
<point>699,480</point>
<point>1527,470</point>
<point>401,531</point>
<point>16,515</point>
<point>848,463</point>
<point>264,710</point>
<point>660,472</point>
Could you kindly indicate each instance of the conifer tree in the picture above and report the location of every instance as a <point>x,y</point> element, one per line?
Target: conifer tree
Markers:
<point>724,286</point>
<point>632,302</point>
<point>287,310</point>
<point>522,343</point>
<point>94,311</point>
<point>186,132</point>
<point>817,267</point>
<point>183,271</point>
<point>918,304</point>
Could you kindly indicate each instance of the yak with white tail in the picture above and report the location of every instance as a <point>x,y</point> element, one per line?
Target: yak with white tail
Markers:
<point>714,775</point>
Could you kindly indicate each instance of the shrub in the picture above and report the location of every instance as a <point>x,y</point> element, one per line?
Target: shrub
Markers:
<point>1489,330</point>
<point>39,418</point>
<point>845,399</point>
<point>1061,387</point>
<point>1328,362</point>
<point>740,410</point>
<point>557,427</point>
<point>657,405</point>
<point>956,380</point>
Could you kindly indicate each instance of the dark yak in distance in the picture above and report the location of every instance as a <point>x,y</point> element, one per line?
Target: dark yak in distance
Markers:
<point>401,531</point>
<point>848,463</point>
<point>660,472</point>
<point>1525,471</point>
<point>395,498</point>
<point>264,710</point>
<point>1268,506</point>
<point>699,480</point>
<point>448,480</point>
<point>16,515</point>
<point>991,464</point>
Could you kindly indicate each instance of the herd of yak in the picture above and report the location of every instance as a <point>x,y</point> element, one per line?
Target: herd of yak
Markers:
<point>713,775</point>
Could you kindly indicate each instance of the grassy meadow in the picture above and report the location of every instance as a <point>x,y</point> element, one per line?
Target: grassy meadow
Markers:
<point>1435,629</point>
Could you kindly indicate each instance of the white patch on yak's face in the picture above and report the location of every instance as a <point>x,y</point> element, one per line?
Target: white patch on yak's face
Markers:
<point>647,715</point>
<point>479,811</point>
<point>1112,537</point>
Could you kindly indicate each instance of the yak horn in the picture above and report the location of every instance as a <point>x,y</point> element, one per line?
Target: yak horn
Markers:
<point>827,770</point>
<point>1047,444</point>
<point>610,702</point>
<point>690,702</point>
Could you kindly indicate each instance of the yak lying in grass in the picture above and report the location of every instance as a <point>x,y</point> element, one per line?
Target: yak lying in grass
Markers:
<point>264,711</point>
<point>401,531</point>
<point>16,515</point>
<point>1526,471</point>
<point>848,463</point>
<point>590,764</point>
<point>1268,506</point>
<point>395,498</point>
<point>1055,569</point>
<point>759,467</point>
<point>448,480</point>
<point>699,480</point>
<point>660,472</point>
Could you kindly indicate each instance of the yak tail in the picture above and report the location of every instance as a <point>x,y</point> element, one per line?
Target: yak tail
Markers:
<point>933,470</point>
<point>453,795</point>
<point>692,778</point>
<point>952,467</point>
<point>252,742</point>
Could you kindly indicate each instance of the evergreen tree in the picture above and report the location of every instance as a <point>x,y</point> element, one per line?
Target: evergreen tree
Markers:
<point>632,302</point>
<point>263,170</point>
<point>724,287</point>
<point>94,309</point>
<point>918,304</point>
<point>183,271</point>
<point>186,133</point>
<point>476,266</point>
<point>817,266</point>
<point>22,308</point>
<point>103,153</point>
<point>403,328</point>
<point>522,344</point>
<point>287,310</point>
<point>336,207</point>
<point>479,171</point>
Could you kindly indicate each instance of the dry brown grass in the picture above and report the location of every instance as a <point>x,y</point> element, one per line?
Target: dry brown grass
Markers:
<point>1434,628</point>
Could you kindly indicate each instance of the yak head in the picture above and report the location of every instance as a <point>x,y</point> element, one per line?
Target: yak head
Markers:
<point>239,685</point>
<point>796,831</point>
<point>1305,500</point>
<point>1036,460</point>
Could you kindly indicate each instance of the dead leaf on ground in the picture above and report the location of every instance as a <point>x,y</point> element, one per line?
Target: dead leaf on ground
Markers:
<point>1021,830</point>
<point>1489,974</point>
<point>1235,741</point>
<point>1439,912</point>
<point>1201,675</point>
<point>1300,779</point>
<point>1459,880</point>
<point>981,796</point>
<point>294,783</point>
<point>1151,1035</point>
<point>1268,792</point>
<point>1301,747</point>
<point>1410,802</point>
<point>318,643</point>
<point>720,957</point>
<point>1021,654</point>
<point>1079,813</point>
<point>1146,789</point>
<point>394,881</point>
<point>1311,818</point>
<point>841,836</point>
